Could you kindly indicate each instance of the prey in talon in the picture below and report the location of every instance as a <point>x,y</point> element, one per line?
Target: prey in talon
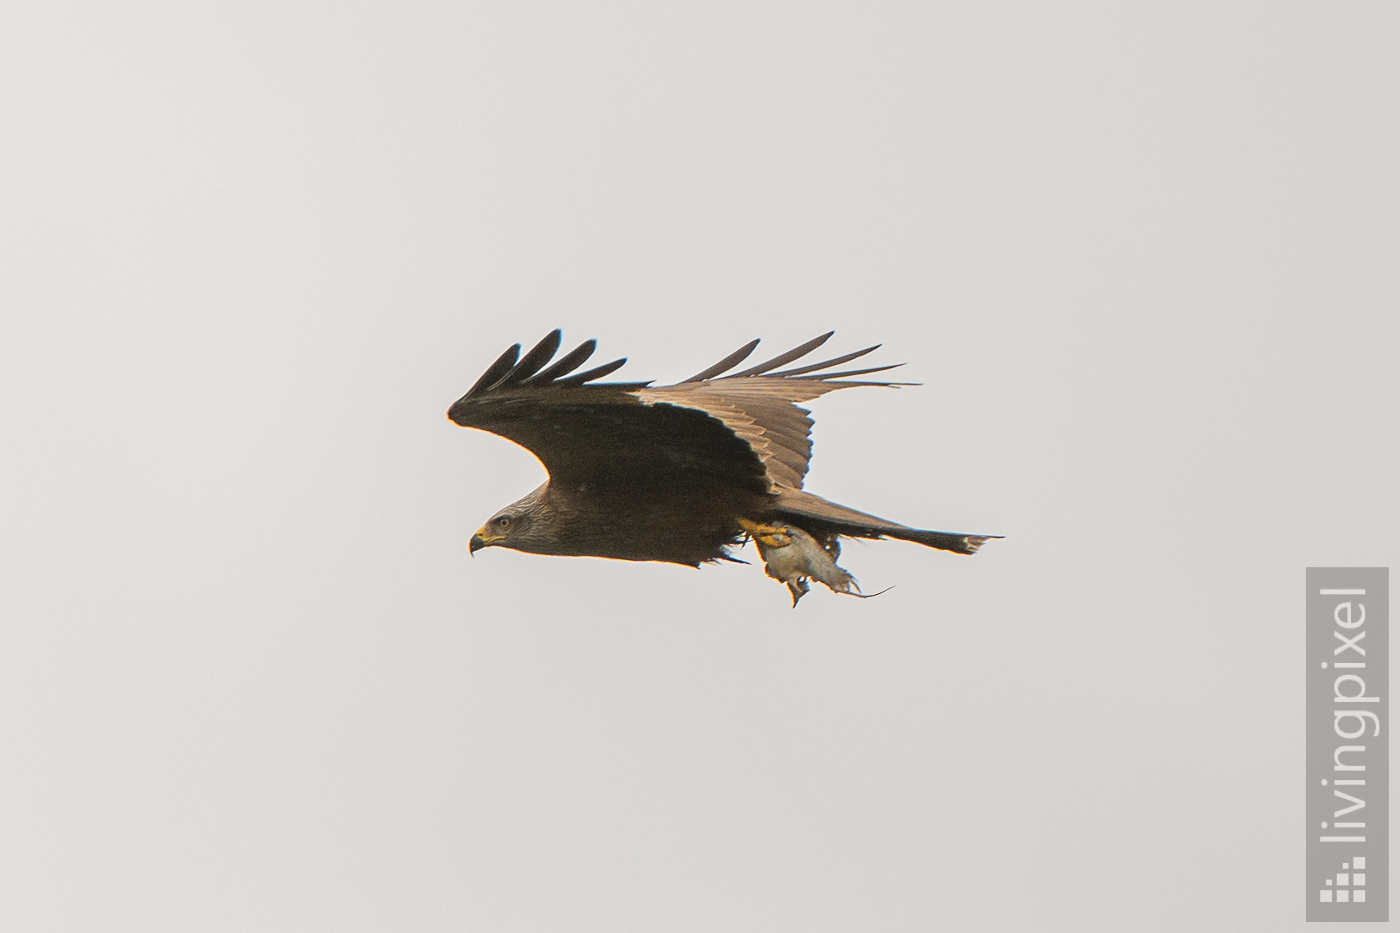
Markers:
<point>792,556</point>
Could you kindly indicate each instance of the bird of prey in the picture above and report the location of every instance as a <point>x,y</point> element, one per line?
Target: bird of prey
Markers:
<point>679,473</point>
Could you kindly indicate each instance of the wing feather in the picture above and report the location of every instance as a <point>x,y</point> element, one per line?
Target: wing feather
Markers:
<point>504,363</point>
<point>533,361</point>
<point>566,364</point>
<point>782,359</point>
<point>859,372</point>
<point>726,364</point>
<point>597,372</point>
<point>827,364</point>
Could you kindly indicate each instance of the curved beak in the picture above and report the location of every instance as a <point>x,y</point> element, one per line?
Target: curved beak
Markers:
<point>481,539</point>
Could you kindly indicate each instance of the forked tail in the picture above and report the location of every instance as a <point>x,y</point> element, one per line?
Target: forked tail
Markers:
<point>943,540</point>
<point>844,520</point>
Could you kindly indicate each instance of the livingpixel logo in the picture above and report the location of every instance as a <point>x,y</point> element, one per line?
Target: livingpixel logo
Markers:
<point>1350,884</point>
<point>1348,743</point>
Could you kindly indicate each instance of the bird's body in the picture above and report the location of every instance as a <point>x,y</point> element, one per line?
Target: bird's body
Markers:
<point>679,473</point>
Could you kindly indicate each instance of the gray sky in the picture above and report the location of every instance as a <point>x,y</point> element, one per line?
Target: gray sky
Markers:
<point>1142,258</point>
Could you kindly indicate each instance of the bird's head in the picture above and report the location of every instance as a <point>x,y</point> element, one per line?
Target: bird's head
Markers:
<point>521,526</point>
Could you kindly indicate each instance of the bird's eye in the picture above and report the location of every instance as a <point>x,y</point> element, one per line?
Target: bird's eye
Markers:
<point>503,521</point>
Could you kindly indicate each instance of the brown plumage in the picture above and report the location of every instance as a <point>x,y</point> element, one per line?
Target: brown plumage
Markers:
<point>673,473</point>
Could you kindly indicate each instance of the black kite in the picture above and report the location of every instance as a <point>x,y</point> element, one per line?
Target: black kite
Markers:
<point>675,473</point>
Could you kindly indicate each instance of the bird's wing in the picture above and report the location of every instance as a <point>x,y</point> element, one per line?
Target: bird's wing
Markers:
<point>601,436</point>
<point>745,427</point>
<point>759,404</point>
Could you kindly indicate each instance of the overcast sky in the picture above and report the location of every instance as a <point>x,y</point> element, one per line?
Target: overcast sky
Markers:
<point>1142,258</point>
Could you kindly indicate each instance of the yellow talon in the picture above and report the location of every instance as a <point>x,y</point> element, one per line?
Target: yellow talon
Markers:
<point>767,535</point>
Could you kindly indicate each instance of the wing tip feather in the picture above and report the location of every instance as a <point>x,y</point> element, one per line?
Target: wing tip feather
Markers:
<point>533,370</point>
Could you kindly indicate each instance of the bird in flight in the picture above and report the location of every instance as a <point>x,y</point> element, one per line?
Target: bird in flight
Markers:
<point>680,473</point>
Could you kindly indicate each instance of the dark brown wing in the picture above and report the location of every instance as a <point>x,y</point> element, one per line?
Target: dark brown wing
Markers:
<point>604,435</point>
<point>743,429</point>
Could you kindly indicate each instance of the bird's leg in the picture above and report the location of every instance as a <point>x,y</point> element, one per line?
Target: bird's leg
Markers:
<point>767,535</point>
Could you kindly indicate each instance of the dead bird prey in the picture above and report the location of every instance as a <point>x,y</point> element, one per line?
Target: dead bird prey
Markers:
<point>675,473</point>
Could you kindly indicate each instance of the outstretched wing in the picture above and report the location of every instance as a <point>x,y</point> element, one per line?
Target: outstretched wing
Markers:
<point>744,428</point>
<point>759,404</point>
<point>602,436</point>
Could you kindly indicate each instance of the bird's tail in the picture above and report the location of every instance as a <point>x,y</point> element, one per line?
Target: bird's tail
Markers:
<point>943,540</point>
<point>845,520</point>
